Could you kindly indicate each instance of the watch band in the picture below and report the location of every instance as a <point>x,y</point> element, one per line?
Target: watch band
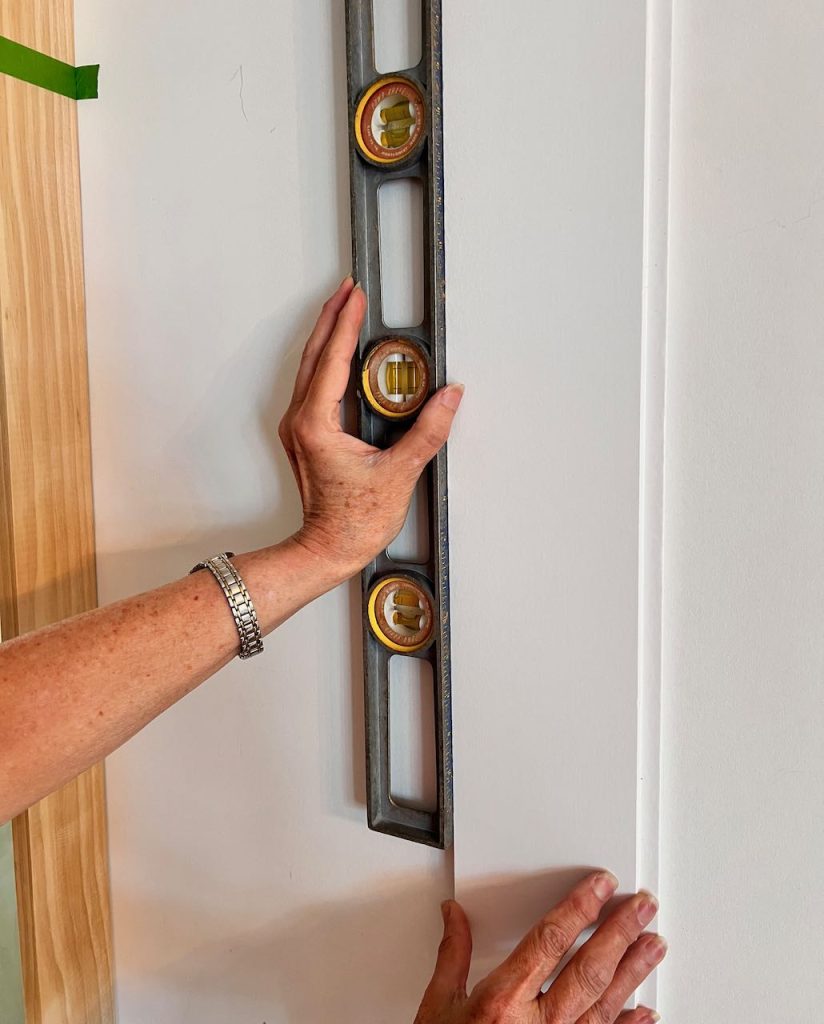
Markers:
<point>240,603</point>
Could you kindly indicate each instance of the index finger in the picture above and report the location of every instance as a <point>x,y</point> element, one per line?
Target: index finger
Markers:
<point>334,365</point>
<point>541,950</point>
<point>318,338</point>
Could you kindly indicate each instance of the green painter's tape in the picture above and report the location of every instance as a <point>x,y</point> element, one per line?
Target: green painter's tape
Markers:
<point>39,69</point>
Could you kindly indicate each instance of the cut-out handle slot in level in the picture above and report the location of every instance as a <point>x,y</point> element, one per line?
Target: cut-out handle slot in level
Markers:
<point>412,543</point>
<point>398,42</point>
<point>412,774</point>
<point>400,216</point>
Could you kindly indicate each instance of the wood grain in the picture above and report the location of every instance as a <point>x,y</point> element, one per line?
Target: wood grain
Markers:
<point>46,514</point>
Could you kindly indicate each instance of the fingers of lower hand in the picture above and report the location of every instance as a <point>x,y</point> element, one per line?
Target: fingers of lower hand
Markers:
<point>640,1015</point>
<point>543,948</point>
<point>592,971</point>
<point>642,957</point>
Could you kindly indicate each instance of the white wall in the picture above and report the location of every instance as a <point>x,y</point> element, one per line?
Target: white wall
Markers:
<point>743,795</point>
<point>245,883</point>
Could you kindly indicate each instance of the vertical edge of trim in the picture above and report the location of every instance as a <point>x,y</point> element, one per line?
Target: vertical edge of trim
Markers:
<point>658,89</point>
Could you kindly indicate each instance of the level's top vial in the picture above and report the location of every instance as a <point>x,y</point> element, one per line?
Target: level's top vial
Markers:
<point>390,120</point>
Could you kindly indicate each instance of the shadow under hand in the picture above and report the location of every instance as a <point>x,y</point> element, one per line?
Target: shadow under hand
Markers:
<point>503,908</point>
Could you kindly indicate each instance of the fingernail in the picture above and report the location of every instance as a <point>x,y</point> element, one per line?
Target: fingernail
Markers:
<point>357,287</point>
<point>656,950</point>
<point>647,908</point>
<point>452,396</point>
<point>654,1017</point>
<point>446,910</point>
<point>604,885</point>
<point>345,281</point>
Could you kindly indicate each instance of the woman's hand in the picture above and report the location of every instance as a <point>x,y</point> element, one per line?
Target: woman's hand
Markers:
<point>355,497</point>
<point>591,989</point>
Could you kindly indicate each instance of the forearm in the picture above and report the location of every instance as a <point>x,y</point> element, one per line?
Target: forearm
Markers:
<point>73,692</point>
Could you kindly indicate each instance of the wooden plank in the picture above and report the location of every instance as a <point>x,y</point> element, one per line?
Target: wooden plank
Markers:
<point>47,538</point>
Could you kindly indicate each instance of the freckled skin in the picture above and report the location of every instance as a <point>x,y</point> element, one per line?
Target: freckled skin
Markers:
<point>73,692</point>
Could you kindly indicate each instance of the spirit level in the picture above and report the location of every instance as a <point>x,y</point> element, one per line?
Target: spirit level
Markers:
<point>396,132</point>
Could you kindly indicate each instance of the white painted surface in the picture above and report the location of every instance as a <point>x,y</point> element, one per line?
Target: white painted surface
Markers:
<point>246,886</point>
<point>544,250</point>
<point>743,794</point>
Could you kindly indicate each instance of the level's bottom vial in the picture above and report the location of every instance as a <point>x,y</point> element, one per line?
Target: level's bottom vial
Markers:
<point>400,614</point>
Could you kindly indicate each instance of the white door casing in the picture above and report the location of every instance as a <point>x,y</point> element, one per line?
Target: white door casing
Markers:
<point>557,280</point>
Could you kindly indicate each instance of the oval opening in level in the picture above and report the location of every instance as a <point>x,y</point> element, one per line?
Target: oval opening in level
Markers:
<point>400,215</point>
<point>413,780</point>
<point>398,34</point>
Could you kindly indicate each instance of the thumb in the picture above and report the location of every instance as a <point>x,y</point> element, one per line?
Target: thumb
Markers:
<point>429,433</point>
<point>454,956</point>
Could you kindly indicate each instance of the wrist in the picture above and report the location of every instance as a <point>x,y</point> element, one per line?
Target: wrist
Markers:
<point>322,559</point>
<point>283,578</point>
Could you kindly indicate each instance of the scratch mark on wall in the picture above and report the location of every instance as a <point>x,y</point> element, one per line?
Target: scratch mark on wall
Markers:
<point>777,222</point>
<point>240,90</point>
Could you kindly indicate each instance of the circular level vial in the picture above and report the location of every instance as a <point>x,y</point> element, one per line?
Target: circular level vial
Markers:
<point>395,378</point>
<point>400,614</point>
<point>389,121</point>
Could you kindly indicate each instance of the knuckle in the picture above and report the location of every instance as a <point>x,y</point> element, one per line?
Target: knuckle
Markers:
<point>432,438</point>
<point>552,941</point>
<point>580,906</point>
<point>601,1013</point>
<point>591,975</point>
<point>625,932</point>
<point>304,430</point>
<point>493,1000</point>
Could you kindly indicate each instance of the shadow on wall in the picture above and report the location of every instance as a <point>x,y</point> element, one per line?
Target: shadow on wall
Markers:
<point>500,907</point>
<point>366,960</point>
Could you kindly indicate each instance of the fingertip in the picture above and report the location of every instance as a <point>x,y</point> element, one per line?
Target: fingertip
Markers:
<point>357,299</point>
<point>604,884</point>
<point>452,395</point>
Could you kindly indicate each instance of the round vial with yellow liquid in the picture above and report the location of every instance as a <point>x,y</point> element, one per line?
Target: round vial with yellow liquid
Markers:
<point>400,614</point>
<point>395,378</point>
<point>390,120</point>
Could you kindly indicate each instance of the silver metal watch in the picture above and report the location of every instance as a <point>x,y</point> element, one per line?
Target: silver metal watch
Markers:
<point>240,603</point>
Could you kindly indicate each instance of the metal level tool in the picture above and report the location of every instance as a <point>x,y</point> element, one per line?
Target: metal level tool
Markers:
<point>396,132</point>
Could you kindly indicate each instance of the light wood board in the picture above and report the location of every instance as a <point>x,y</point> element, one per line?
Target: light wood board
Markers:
<point>47,536</point>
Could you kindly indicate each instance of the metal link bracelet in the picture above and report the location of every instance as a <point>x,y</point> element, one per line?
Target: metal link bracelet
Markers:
<point>240,603</point>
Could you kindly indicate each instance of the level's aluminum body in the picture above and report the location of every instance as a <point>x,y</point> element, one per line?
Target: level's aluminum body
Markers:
<point>385,814</point>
